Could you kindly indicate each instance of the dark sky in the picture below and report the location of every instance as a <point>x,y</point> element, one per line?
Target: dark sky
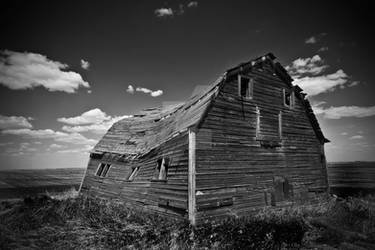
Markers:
<point>127,43</point>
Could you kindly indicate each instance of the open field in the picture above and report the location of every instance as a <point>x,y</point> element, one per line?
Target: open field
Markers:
<point>20,183</point>
<point>351,178</point>
<point>90,223</point>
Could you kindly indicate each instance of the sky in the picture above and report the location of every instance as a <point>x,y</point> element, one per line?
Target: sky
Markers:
<point>69,69</point>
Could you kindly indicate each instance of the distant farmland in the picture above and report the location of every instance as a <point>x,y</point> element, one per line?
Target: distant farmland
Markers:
<point>20,183</point>
<point>348,178</point>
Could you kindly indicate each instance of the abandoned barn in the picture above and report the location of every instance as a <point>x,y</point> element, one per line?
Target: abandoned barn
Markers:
<point>247,141</point>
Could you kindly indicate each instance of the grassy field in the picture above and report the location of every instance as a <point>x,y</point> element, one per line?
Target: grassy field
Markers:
<point>66,222</point>
<point>21,183</point>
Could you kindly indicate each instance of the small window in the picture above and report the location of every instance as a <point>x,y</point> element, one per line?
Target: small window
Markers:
<point>161,171</point>
<point>288,97</point>
<point>103,169</point>
<point>245,87</point>
<point>133,173</point>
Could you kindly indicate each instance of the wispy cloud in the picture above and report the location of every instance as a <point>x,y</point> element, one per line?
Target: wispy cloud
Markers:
<point>192,4</point>
<point>344,111</point>
<point>88,117</point>
<point>95,121</point>
<point>308,74</point>
<point>29,70</point>
<point>73,138</point>
<point>130,89</point>
<point>153,93</point>
<point>164,12</point>
<point>85,64</point>
<point>8,122</point>
<point>169,12</point>
<point>321,84</point>
<point>149,91</point>
<point>322,49</point>
<point>310,65</point>
<point>316,38</point>
<point>55,146</point>
<point>356,137</point>
<point>311,40</point>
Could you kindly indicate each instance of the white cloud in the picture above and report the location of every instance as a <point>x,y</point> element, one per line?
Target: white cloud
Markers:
<point>89,91</point>
<point>85,64</point>
<point>95,121</point>
<point>354,83</point>
<point>28,70</point>
<point>315,39</point>
<point>2,144</point>
<point>130,89</point>
<point>85,149</point>
<point>311,40</point>
<point>322,49</point>
<point>163,12</point>
<point>73,138</point>
<point>8,122</point>
<point>313,66</point>
<point>344,111</point>
<point>149,91</point>
<point>356,137</point>
<point>52,146</point>
<point>192,4</point>
<point>92,116</point>
<point>322,84</point>
<point>94,128</point>
<point>344,133</point>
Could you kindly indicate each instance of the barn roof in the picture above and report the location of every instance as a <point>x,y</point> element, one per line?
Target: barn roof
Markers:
<point>138,134</point>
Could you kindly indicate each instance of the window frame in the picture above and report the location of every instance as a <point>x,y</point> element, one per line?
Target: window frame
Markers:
<point>133,174</point>
<point>250,87</point>
<point>103,169</point>
<point>291,100</point>
<point>162,163</point>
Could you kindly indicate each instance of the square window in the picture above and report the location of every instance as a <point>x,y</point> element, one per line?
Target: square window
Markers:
<point>245,87</point>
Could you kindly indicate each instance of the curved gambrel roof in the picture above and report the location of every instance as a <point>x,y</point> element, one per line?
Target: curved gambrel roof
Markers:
<point>137,135</point>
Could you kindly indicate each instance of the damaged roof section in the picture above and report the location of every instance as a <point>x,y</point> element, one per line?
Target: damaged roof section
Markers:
<point>137,135</point>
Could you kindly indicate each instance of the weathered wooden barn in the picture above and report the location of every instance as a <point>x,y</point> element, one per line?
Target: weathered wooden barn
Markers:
<point>249,140</point>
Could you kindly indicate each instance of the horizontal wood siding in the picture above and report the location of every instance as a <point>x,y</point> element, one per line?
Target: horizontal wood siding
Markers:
<point>234,174</point>
<point>167,197</point>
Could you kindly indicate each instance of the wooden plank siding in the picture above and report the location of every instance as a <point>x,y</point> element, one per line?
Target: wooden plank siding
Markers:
<point>167,197</point>
<point>234,174</point>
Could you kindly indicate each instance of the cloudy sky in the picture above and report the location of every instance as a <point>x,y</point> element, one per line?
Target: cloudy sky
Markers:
<point>68,70</point>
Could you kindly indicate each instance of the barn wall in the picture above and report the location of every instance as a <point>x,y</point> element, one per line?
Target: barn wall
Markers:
<point>234,173</point>
<point>167,197</point>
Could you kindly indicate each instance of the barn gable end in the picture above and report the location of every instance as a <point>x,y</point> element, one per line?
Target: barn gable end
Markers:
<point>232,148</point>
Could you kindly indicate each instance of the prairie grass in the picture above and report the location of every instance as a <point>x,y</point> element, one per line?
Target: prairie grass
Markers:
<point>72,221</point>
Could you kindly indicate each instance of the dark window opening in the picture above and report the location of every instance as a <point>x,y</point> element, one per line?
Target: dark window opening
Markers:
<point>245,87</point>
<point>161,170</point>
<point>133,174</point>
<point>103,169</point>
<point>288,99</point>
